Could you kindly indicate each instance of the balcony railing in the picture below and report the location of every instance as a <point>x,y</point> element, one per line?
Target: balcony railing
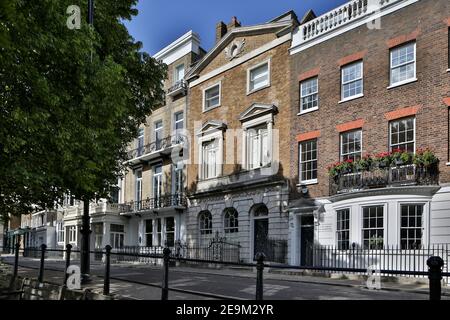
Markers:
<point>405,175</point>
<point>166,201</point>
<point>349,12</point>
<point>180,87</point>
<point>157,146</point>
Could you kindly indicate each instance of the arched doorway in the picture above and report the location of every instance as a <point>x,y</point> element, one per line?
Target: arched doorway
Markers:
<point>260,227</point>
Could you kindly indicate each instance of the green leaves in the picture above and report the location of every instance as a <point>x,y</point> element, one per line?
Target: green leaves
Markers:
<point>65,120</point>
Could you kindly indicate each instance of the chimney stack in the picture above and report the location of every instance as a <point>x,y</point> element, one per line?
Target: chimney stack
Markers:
<point>221,30</point>
<point>233,24</point>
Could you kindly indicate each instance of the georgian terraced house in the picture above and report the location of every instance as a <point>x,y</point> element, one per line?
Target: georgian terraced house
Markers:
<point>239,105</point>
<point>291,135</point>
<point>366,78</point>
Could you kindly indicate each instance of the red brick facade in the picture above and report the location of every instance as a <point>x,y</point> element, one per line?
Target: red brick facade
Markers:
<point>426,98</point>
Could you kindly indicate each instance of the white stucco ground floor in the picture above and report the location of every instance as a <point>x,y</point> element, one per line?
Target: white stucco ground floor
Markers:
<point>378,226</point>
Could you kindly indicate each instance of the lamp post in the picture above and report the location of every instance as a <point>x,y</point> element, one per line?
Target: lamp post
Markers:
<point>86,231</point>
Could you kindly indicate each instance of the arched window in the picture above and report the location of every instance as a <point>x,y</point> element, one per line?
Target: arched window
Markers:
<point>205,220</point>
<point>230,221</point>
<point>205,227</point>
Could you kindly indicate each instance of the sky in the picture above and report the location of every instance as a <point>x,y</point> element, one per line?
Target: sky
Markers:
<point>160,22</point>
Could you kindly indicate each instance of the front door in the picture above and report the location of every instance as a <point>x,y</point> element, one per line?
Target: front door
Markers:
<point>261,235</point>
<point>306,240</point>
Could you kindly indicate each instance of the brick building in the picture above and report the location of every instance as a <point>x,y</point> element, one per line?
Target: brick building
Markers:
<point>239,102</point>
<point>366,78</point>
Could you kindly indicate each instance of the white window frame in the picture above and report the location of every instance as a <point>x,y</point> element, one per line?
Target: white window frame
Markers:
<point>341,156</point>
<point>175,121</point>
<point>399,83</point>
<point>120,234</point>
<point>385,231</point>
<point>302,111</point>
<point>390,132</point>
<point>424,220</point>
<point>249,70</point>
<point>220,96</point>
<point>171,232</point>
<point>72,234</point>
<point>157,182</point>
<point>349,226</point>
<point>247,125</point>
<point>310,181</point>
<point>149,233</point>
<point>219,160</point>
<point>175,73</point>
<point>60,232</point>
<point>177,182</point>
<point>354,80</point>
<point>136,182</point>
<point>157,130</point>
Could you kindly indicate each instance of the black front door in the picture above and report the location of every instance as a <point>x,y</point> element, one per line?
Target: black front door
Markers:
<point>306,240</point>
<point>261,235</point>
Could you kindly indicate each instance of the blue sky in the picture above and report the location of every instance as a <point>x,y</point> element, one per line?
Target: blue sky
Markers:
<point>160,22</point>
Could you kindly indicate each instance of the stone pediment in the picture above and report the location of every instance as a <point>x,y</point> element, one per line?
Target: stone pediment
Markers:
<point>211,126</point>
<point>238,42</point>
<point>257,110</point>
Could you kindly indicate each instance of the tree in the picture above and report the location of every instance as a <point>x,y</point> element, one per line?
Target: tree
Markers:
<point>71,101</point>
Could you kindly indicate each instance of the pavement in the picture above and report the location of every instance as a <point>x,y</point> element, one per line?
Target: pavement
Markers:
<point>142,282</point>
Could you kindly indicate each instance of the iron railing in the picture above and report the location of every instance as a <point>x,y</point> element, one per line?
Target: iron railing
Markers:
<point>381,177</point>
<point>180,87</point>
<point>157,146</point>
<point>165,201</point>
<point>386,258</point>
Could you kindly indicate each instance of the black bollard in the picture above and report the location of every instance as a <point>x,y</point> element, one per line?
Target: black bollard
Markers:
<point>259,275</point>
<point>68,251</point>
<point>165,286</point>
<point>16,259</point>
<point>107,270</point>
<point>435,265</point>
<point>41,268</point>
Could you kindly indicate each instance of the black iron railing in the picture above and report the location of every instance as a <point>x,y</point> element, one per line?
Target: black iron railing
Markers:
<point>165,201</point>
<point>385,258</point>
<point>180,87</point>
<point>381,177</point>
<point>157,146</point>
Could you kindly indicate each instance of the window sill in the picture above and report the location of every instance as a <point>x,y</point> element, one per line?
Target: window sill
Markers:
<point>212,108</point>
<point>307,111</point>
<point>307,183</point>
<point>351,98</point>
<point>399,84</point>
<point>448,164</point>
<point>259,89</point>
<point>448,70</point>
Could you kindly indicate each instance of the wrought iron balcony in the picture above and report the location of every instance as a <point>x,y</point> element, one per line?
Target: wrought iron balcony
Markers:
<point>378,177</point>
<point>155,149</point>
<point>180,87</point>
<point>175,201</point>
